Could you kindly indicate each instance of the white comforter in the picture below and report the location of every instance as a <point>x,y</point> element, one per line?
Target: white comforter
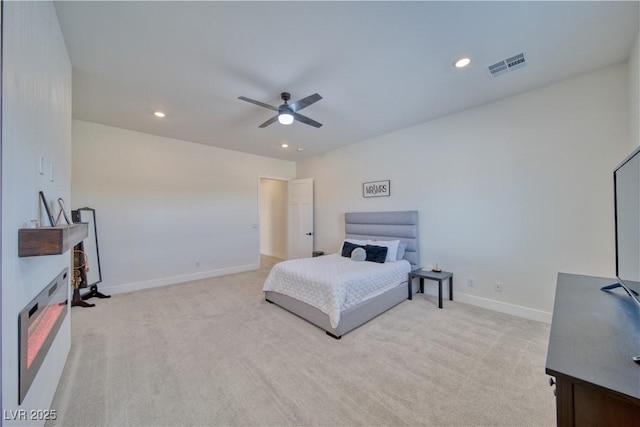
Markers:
<point>334,283</point>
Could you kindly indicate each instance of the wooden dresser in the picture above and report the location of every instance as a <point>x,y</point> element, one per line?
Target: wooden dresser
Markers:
<point>594,335</point>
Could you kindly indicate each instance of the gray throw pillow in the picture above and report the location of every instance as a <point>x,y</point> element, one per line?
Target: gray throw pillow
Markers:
<point>402,247</point>
<point>358,254</point>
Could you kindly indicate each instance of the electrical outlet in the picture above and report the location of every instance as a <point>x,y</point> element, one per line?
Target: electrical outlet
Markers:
<point>498,287</point>
<point>197,263</point>
<point>470,282</point>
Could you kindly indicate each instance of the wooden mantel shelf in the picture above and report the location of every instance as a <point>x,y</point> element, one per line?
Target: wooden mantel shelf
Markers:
<point>50,240</point>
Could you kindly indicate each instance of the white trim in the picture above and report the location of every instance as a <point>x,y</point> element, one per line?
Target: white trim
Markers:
<point>156,283</point>
<point>499,306</point>
<point>503,307</point>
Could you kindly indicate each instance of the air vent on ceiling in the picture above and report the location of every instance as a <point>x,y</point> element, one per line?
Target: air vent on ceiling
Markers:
<point>510,64</point>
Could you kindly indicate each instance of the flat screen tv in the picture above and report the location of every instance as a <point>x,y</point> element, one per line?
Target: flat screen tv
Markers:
<point>626,183</point>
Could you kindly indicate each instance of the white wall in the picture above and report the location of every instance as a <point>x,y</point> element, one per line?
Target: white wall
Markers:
<point>634,92</point>
<point>163,205</point>
<point>36,109</point>
<point>513,191</point>
<point>273,217</point>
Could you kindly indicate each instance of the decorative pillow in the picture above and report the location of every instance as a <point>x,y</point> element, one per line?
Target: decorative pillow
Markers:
<point>359,254</point>
<point>356,241</point>
<point>348,247</point>
<point>391,245</point>
<point>376,253</point>
<point>402,248</point>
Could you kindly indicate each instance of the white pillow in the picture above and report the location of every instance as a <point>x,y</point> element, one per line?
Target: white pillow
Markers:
<point>392,248</point>
<point>358,254</point>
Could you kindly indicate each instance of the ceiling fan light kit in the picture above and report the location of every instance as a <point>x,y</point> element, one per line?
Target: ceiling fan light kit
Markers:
<point>288,113</point>
<point>285,118</point>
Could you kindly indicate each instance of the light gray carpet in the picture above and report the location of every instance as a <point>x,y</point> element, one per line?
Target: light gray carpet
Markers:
<point>213,352</point>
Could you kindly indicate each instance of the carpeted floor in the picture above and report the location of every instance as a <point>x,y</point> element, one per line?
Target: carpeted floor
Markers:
<point>213,352</point>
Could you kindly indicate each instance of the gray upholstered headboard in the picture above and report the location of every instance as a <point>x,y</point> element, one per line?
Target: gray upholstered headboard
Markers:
<point>400,225</point>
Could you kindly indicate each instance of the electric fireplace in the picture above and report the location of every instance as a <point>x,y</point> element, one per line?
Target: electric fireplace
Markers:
<point>38,324</point>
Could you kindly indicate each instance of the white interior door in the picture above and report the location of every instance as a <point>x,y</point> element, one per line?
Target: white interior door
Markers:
<point>300,218</point>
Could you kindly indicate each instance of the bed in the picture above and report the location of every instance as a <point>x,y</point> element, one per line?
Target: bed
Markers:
<point>354,304</point>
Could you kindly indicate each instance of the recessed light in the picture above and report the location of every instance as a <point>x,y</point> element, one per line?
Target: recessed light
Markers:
<point>159,114</point>
<point>462,62</point>
<point>284,145</point>
<point>300,149</point>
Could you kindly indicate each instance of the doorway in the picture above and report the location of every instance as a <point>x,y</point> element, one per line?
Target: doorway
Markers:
<point>274,218</point>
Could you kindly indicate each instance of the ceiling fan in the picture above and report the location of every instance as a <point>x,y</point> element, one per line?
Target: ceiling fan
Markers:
<point>287,113</point>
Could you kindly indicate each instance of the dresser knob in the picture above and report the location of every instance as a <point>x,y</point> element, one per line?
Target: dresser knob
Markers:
<point>551,382</point>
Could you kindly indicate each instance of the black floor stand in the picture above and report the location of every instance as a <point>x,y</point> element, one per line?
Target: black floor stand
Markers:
<point>77,300</point>
<point>93,292</point>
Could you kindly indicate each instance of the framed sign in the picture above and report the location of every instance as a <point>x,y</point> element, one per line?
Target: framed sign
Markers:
<point>376,189</point>
<point>47,211</point>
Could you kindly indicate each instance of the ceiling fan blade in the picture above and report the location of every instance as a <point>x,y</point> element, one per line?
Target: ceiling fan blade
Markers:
<point>268,122</point>
<point>306,120</point>
<point>305,102</point>
<point>262,104</point>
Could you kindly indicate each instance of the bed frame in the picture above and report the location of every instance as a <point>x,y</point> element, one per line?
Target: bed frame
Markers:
<point>399,225</point>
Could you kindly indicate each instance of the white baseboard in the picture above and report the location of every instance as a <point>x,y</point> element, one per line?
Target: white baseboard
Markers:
<point>503,307</point>
<point>278,255</point>
<point>155,283</point>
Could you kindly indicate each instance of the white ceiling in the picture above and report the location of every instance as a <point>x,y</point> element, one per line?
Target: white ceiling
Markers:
<point>380,66</point>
